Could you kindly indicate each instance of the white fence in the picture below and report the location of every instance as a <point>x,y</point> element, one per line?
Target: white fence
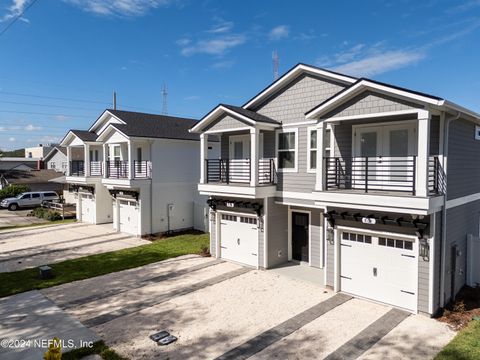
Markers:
<point>473,261</point>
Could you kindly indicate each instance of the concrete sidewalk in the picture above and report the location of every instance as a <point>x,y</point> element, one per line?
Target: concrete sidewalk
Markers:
<point>29,320</point>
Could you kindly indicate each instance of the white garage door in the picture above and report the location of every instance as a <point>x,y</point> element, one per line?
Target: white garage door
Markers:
<point>129,216</point>
<point>239,239</point>
<point>87,209</point>
<point>379,268</point>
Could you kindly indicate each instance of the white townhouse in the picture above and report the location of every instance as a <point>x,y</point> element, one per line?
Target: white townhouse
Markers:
<point>376,186</point>
<point>137,171</point>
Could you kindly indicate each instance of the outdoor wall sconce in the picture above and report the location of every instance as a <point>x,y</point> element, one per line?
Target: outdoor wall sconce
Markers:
<point>424,249</point>
<point>260,223</point>
<point>212,216</point>
<point>330,237</point>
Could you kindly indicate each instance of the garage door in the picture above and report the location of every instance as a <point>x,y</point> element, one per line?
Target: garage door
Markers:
<point>87,209</point>
<point>379,268</point>
<point>129,216</point>
<point>239,239</point>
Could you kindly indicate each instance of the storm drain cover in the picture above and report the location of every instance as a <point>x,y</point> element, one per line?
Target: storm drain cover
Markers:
<point>167,340</point>
<point>159,336</point>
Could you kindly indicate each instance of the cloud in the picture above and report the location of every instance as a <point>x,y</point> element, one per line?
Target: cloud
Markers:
<point>31,127</point>
<point>12,139</point>
<point>183,42</point>
<point>15,9</point>
<point>215,46</point>
<point>465,6</point>
<point>227,64</point>
<point>221,28</point>
<point>279,32</point>
<point>130,8</point>
<point>381,63</point>
<point>61,117</point>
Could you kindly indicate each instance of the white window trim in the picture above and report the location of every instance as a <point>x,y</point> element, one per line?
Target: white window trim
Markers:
<point>281,131</point>
<point>309,149</point>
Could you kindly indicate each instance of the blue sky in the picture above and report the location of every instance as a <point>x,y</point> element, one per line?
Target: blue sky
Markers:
<point>216,51</point>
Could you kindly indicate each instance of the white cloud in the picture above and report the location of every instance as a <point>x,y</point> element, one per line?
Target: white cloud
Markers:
<point>183,42</point>
<point>31,127</point>
<point>120,7</point>
<point>226,64</point>
<point>380,63</point>
<point>15,9</point>
<point>61,117</point>
<point>221,28</point>
<point>215,46</point>
<point>279,32</point>
<point>12,139</point>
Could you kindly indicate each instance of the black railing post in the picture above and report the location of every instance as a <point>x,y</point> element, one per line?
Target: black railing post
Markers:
<point>366,174</point>
<point>435,175</point>
<point>206,170</point>
<point>228,170</point>
<point>337,173</point>
<point>414,182</point>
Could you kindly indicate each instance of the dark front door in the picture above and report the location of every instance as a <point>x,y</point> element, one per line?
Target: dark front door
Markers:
<point>300,222</point>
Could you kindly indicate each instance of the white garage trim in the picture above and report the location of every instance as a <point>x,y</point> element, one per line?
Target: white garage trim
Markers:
<point>374,233</point>
<point>431,264</point>
<point>290,211</point>
<point>238,214</point>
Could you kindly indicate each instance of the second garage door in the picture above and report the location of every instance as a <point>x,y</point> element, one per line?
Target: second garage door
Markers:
<point>239,239</point>
<point>128,217</point>
<point>87,208</point>
<point>380,268</point>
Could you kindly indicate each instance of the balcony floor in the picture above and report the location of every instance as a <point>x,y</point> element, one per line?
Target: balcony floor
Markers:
<point>378,192</point>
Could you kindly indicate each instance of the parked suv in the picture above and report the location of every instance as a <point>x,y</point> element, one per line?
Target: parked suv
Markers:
<point>28,199</point>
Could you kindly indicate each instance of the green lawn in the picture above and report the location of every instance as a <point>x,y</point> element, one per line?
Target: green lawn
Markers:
<point>465,346</point>
<point>99,264</point>
<point>56,222</point>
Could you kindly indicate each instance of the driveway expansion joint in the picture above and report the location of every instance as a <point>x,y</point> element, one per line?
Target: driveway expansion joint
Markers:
<point>271,336</point>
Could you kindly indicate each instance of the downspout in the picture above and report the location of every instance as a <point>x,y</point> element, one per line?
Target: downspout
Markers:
<point>443,249</point>
<point>151,188</point>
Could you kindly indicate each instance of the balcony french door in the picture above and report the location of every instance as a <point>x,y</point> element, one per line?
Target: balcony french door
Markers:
<point>384,156</point>
<point>239,154</point>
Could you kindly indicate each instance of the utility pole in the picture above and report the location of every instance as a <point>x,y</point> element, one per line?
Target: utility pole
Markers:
<point>275,64</point>
<point>165,99</point>
<point>114,100</point>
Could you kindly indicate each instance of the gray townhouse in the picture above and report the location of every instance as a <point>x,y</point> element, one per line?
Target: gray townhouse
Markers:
<point>375,185</point>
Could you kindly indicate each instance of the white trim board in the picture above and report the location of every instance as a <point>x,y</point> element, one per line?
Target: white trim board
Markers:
<point>297,149</point>
<point>419,112</point>
<point>463,200</point>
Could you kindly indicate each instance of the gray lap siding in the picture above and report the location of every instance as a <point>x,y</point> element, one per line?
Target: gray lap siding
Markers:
<point>277,233</point>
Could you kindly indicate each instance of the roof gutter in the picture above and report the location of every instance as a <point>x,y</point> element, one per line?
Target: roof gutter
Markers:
<point>443,249</point>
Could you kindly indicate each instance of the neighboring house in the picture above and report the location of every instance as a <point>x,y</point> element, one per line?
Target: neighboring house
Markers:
<point>36,180</point>
<point>350,176</point>
<point>56,159</point>
<point>17,163</point>
<point>39,151</point>
<point>138,171</point>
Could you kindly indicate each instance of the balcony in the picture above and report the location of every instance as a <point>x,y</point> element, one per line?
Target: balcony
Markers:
<point>230,171</point>
<point>120,169</point>
<point>381,174</point>
<point>77,168</point>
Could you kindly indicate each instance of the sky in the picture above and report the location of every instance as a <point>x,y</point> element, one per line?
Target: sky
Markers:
<point>62,59</point>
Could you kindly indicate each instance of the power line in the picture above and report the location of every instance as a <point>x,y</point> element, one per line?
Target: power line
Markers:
<point>55,98</point>
<point>14,20</point>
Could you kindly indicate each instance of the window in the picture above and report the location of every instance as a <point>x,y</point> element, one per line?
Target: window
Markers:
<point>229,217</point>
<point>64,165</point>
<point>395,243</point>
<point>327,143</point>
<point>248,220</point>
<point>312,149</point>
<point>287,150</point>
<point>26,196</point>
<point>367,239</point>
<point>116,153</point>
<point>52,165</point>
<point>35,196</point>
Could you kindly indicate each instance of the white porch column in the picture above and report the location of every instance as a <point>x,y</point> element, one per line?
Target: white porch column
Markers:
<point>86,160</point>
<point>131,167</point>
<point>319,184</point>
<point>254,155</point>
<point>69,159</point>
<point>203,156</point>
<point>105,159</point>
<point>423,145</point>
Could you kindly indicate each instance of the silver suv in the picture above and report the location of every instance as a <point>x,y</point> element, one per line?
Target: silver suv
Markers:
<point>28,199</point>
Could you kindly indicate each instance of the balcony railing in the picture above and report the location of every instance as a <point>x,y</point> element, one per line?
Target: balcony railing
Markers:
<point>238,171</point>
<point>77,168</point>
<point>142,169</point>
<point>96,168</point>
<point>388,174</point>
<point>117,169</point>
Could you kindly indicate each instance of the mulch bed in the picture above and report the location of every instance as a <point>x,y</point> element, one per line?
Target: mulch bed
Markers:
<point>460,312</point>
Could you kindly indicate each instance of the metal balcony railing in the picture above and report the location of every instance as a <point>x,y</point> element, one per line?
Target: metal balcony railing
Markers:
<point>96,168</point>
<point>238,171</point>
<point>142,169</point>
<point>117,169</point>
<point>77,168</point>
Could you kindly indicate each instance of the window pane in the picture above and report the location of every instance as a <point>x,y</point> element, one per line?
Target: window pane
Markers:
<point>399,244</point>
<point>313,159</point>
<point>399,142</point>
<point>345,236</point>
<point>368,144</point>
<point>382,241</point>
<point>313,139</point>
<point>286,159</point>
<point>368,239</point>
<point>326,141</point>
<point>390,242</point>
<point>286,141</point>
<point>408,245</point>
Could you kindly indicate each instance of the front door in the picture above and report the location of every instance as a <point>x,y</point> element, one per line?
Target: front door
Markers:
<point>300,236</point>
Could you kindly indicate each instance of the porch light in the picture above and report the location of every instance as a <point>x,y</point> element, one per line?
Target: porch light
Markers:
<point>330,237</point>
<point>425,249</point>
<point>212,216</point>
<point>260,223</point>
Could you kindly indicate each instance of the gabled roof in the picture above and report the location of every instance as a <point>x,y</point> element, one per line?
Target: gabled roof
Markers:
<point>248,116</point>
<point>364,84</point>
<point>138,124</point>
<point>84,135</point>
<point>293,73</point>
<point>55,149</point>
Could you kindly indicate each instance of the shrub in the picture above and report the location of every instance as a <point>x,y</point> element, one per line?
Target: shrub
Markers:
<point>50,215</point>
<point>39,212</point>
<point>12,191</point>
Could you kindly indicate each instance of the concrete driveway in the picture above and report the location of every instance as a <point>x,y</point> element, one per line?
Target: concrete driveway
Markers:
<point>19,217</point>
<point>32,247</point>
<point>222,310</point>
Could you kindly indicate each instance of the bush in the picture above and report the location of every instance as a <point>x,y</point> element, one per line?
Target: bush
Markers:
<point>50,215</point>
<point>12,191</point>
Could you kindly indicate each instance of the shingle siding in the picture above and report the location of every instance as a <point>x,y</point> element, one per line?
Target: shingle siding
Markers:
<point>369,102</point>
<point>463,160</point>
<point>226,122</point>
